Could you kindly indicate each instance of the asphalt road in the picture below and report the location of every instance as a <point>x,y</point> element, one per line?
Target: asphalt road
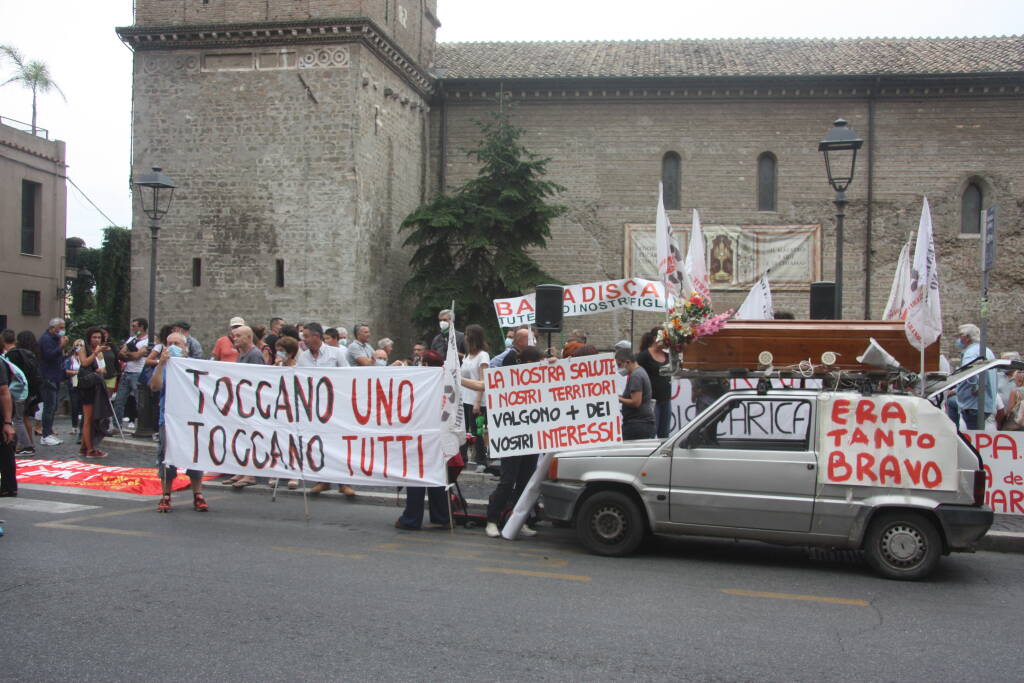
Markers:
<point>252,590</point>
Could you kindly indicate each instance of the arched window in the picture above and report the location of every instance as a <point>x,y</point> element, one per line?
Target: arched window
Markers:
<point>970,210</point>
<point>766,182</point>
<point>671,179</point>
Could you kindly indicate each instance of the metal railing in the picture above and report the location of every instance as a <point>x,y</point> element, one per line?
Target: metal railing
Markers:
<point>26,127</point>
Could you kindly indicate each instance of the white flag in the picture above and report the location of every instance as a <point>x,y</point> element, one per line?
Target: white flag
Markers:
<point>924,312</point>
<point>670,258</point>
<point>899,295</point>
<point>758,304</point>
<point>696,265</point>
<point>452,416</point>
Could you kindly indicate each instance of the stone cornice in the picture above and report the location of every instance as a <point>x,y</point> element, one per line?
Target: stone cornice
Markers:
<point>275,34</point>
<point>27,150</point>
<point>789,87</point>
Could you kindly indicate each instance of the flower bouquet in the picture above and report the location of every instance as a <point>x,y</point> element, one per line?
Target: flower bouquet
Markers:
<point>687,321</point>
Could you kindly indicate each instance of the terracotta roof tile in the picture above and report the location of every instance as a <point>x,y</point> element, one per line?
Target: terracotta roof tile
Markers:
<point>731,57</point>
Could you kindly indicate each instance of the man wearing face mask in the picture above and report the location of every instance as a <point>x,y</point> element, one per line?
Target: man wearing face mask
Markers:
<point>51,362</point>
<point>176,347</point>
<point>969,341</point>
<point>439,345</point>
<point>637,411</point>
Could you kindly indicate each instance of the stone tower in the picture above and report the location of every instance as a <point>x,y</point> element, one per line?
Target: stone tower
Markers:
<point>296,132</point>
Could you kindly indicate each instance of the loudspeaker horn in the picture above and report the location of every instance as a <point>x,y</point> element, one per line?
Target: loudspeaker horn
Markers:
<point>877,357</point>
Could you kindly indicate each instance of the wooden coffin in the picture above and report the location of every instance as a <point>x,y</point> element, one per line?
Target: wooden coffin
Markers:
<point>791,341</point>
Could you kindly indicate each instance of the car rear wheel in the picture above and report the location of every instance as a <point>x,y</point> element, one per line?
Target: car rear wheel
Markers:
<point>903,545</point>
<point>610,523</point>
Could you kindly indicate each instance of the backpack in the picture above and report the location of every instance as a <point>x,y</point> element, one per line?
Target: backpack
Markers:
<point>18,384</point>
<point>27,363</point>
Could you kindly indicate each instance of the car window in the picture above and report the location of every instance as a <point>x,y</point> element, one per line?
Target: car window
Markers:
<point>757,423</point>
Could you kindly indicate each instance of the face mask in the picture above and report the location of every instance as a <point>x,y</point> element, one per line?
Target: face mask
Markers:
<point>282,355</point>
<point>960,345</point>
<point>445,325</point>
<point>61,333</point>
<point>175,352</point>
<point>380,363</point>
<point>624,371</point>
<point>343,342</point>
<point>508,343</point>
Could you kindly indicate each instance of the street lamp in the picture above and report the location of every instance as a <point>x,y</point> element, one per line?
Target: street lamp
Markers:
<point>840,149</point>
<point>156,191</point>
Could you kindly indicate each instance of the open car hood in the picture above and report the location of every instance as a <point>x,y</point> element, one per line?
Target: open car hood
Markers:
<point>973,369</point>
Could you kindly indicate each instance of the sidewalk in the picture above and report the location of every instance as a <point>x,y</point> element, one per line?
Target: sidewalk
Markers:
<point>1006,534</point>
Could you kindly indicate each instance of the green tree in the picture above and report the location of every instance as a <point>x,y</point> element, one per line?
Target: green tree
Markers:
<point>81,290</point>
<point>471,245</point>
<point>113,280</point>
<point>34,75</point>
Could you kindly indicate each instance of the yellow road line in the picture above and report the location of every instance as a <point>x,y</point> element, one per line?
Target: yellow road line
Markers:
<point>492,544</point>
<point>97,529</point>
<point>496,553</point>
<point>791,596</point>
<point>315,551</point>
<point>526,572</point>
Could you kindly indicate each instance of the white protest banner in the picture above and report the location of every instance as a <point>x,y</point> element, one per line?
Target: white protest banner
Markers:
<point>375,426</point>
<point>758,304</point>
<point>1002,454</point>
<point>565,405</point>
<point>592,297</point>
<point>696,263</point>
<point>923,315</point>
<point>899,293</point>
<point>884,441</point>
<point>670,259</point>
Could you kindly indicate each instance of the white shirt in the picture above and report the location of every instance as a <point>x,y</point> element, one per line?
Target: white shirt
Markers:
<point>136,365</point>
<point>471,370</point>
<point>329,357</point>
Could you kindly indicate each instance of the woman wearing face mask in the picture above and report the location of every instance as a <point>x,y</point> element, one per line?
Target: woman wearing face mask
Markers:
<point>637,411</point>
<point>175,346</point>
<point>287,349</point>
<point>92,392</point>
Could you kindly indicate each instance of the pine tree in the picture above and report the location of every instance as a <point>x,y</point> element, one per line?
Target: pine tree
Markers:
<point>471,246</point>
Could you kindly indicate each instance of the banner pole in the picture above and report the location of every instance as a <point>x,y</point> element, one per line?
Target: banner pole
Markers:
<point>922,371</point>
<point>631,315</point>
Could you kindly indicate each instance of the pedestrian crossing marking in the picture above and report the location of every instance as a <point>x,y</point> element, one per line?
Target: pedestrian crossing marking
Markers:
<point>48,506</point>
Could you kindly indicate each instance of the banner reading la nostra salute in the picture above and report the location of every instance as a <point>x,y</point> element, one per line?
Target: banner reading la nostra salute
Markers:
<point>379,426</point>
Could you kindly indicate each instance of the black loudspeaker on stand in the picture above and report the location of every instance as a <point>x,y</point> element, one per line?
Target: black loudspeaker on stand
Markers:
<point>549,308</point>
<point>823,300</point>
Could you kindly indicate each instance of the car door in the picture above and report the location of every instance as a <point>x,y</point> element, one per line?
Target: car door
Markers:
<point>749,464</point>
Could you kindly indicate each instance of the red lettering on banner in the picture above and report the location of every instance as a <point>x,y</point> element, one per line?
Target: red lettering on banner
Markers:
<point>348,442</point>
<point>384,441</point>
<point>893,412</point>
<point>865,461</point>
<point>196,374</point>
<point>495,380</point>
<point>982,440</point>
<point>304,398</point>
<point>419,441</point>
<point>234,448</point>
<point>889,468</point>
<point>613,290</point>
<point>837,434</point>
<point>650,289</point>
<point>568,296</point>
<point>932,475</point>
<point>283,401</point>
<point>195,439</point>
<point>525,306</point>
<point>226,383</point>
<point>503,308</point>
<point>1004,443</point>
<point>324,404</point>
<point>926,440</point>
<point>260,386</point>
<point>913,470</point>
<point>589,294</point>
<point>294,453</point>
<point>859,436</point>
<point>309,453</point>
<point>405,457</point>
<point>866,412</point>
<point>368,471</point>
<point>838,468</point>
<point>238,399</point>
<point>840,407</point>
<point>361,418</point>
<point>252,440</point>
<point>275,453</point>
<point>883,437</point>
<point>384,402</point>
<point>630,287</point>
<point>223,445</point>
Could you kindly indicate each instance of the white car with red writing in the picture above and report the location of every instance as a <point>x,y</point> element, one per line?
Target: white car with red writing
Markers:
<point>885,473</point>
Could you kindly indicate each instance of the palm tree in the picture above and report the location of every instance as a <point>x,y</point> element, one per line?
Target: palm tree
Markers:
<point>34,75</point>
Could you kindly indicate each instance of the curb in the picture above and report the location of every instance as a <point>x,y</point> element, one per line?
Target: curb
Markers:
<point>1002,542</point>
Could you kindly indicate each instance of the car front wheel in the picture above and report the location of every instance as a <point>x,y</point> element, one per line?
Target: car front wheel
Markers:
<point>903,545</point>
<point>610,523</point>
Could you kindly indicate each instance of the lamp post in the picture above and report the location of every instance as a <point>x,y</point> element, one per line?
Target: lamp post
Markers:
<point>156,191</point>
<point>840,149</point>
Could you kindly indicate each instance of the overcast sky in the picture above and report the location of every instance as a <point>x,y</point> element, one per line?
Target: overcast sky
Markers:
<point>76,39</point>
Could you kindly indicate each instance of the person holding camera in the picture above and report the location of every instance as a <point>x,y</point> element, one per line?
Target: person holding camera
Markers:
<point>133,353</point>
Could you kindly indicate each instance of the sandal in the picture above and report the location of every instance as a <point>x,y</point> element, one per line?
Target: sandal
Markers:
<point>293,484</point>
<point>199,503</point>
<point>165,503</point>
<point>242,483</point>
<point>97,454</point>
